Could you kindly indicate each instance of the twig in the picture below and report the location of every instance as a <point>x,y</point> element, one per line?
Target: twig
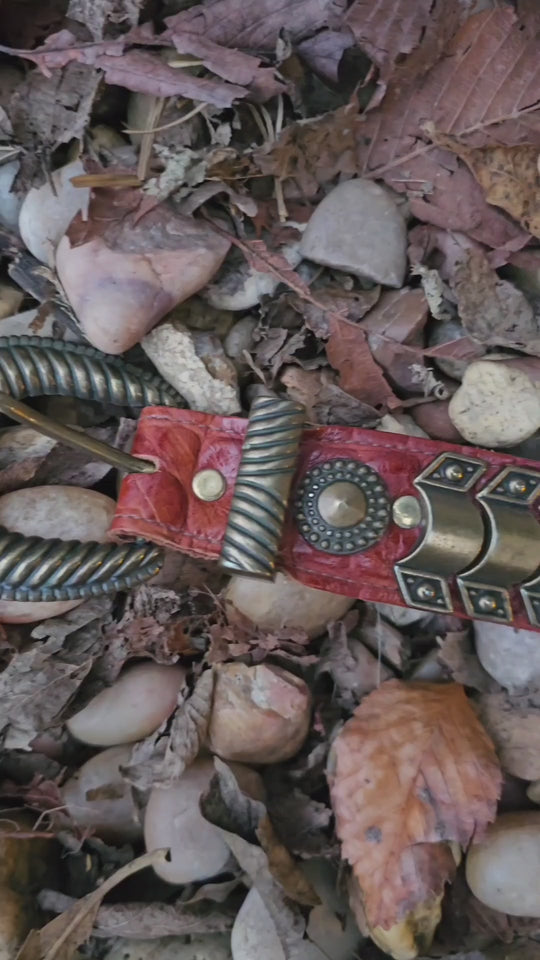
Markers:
<point>173,123</point>
<point>145,152</point>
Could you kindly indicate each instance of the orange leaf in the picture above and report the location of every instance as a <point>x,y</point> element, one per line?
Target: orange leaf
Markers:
<point>412,767</point>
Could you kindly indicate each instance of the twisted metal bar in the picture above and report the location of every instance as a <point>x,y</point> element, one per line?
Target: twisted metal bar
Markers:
<point>40,366</point>
<point>37,569</point>
<point>32,568</point>
<point>261,493</point>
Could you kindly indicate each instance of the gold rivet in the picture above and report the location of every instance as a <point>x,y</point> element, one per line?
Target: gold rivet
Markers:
<point>209,485</point>
<point>487,604</point>
<point>342,504</point>
<point>454,472</point>
<point>407,512</point>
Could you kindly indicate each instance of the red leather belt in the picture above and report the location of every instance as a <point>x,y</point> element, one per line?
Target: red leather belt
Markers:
<point>371,515</point>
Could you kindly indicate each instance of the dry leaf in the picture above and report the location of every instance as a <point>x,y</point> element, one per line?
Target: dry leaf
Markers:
<point>459,97</point>
<point>350,665</point>
<point>324,401</point>
<point>390,29</point>
<point>149,921</point>
<point>348,352</point>
<point>60,938</point>
<point>38,683</point>
<point>457,654</point>
<point>509,177</point>
<point>412,767</point>
<point>160,760</point>
<point>258,26</point>
<point>494,311</point>
<point>96,15</point>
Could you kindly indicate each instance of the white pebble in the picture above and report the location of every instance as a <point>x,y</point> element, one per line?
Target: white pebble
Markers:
<point>510,656</point>
<point>358,228</point>
<point>97,796</point>
<point>173,820</point>
<point>283,602</point>
<point>503,870</point>
<point>496,405</point>
<point>131,708</point>
<point>254,935</point>
<point>10,202</point>
<point>240,287</point>
<point>48,210</point>
<point>70,513</point>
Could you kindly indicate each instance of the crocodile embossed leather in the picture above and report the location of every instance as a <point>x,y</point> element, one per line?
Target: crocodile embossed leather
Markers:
<point>371,515</point>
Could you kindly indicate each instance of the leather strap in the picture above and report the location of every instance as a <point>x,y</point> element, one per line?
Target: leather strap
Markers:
<point>162,507</point>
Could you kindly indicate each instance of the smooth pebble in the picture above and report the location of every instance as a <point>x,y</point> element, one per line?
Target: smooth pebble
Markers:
<point>239,287</point>
<point>283,602</point>
<point>47,211</point>
<point>502,871</point>
<point>496,405</point>
<point>97,796</point>
<point>510,656</point>
<point>131,708</point>
<point>212,946</point>
<point>260,714</point>
<point>358,228</point>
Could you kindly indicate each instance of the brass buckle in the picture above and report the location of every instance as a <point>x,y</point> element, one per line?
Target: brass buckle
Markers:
<point>39,569</point>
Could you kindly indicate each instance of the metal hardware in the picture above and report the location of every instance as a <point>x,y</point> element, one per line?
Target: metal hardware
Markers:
<point>512,552</point>
<point>209,485</point>
<point>342,506</point>
<point>72,438</point>
<point>454,532</point>
<point>407,512</point>
<point>37,569</point>
<point>530,593</point>
<point>33,568</point>
<point>262,488</point>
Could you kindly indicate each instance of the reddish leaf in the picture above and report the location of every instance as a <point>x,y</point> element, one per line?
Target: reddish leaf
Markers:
<point>413,767</point>
<point>349,353</point>
<point>390,29</point>
<point>459,95</point>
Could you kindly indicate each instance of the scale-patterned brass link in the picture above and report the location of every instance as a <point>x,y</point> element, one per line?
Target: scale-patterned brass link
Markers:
<point>40,366</point>
<point>263,483</point>
<point>35,569</point>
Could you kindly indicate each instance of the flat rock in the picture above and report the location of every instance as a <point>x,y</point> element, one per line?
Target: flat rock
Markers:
<point>502,871</point>
<point>70,513</point>
<point>97,796</point>
<point>497,405</point>
<point>358,228</point>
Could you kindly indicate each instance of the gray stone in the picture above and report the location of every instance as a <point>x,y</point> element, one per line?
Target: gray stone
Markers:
<point>359,229</point>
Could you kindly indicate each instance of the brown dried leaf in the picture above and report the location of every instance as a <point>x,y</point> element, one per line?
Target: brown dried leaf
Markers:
<point>509,177</point>
<point>96,15</point>
<point>48,111</point>
<point>390,29</point>
<point>349,353</point>
<point>160,760</point>
<point>458,656</point>
<point>258,26</point>
<point>494,311</point>
<point>324,401</point>
<point>458,96</point>
<point>241,820</point>
<point>394,327</point>
<point>354,671</point>
<point>412,767</point>
<point>38,683</point>
<point>60,937</point>
<point>149,921</point>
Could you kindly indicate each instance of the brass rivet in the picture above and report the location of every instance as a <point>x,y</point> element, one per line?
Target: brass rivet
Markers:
<point>487,604</point>
<point>407,512</point>
<point>342,504</point>
<point>454,472</point>
<point>517,486</point>
<point>209,485</point>
<point>426,591</point>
